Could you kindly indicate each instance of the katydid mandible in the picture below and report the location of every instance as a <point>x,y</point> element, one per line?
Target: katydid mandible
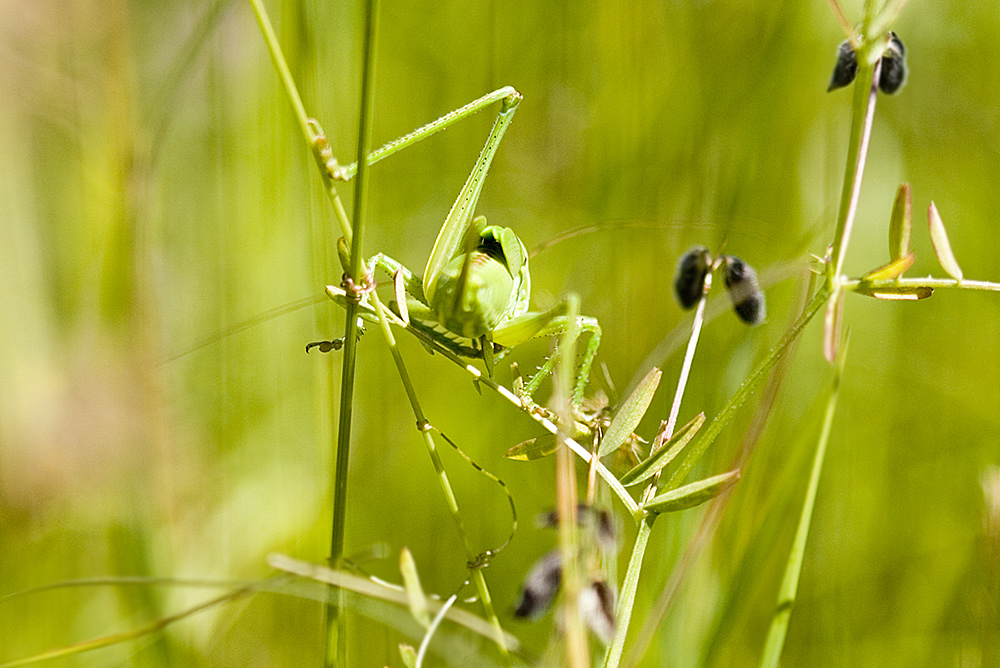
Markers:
<point>473,297</point>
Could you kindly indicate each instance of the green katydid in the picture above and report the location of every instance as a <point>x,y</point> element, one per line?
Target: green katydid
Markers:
<point>473,297</point>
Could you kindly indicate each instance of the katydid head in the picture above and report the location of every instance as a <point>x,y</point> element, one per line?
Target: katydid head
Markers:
<point>479,289</point>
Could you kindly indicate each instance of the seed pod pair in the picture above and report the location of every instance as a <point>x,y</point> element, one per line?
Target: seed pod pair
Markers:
<point>892,67</point>
<point>740,279</point>
<point>596,601</point>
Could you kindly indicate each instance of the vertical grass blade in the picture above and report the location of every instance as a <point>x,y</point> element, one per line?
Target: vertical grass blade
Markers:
<point>793,568</point>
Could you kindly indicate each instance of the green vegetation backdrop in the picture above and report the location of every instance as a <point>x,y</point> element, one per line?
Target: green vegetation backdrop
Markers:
<point>155,192</point>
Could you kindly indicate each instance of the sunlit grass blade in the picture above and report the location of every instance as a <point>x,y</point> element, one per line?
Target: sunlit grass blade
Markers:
<point>831,325</point>
<point>665,453</point>
<point>942,247</point>
<point>385,592</point>
<point>414,592</point>
<point>693,494</point>
<point>630,414</point>
<point>752,382</point>
<point>901,223</point>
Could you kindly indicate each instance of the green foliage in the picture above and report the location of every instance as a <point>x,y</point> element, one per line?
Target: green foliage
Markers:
<point>156,192</point>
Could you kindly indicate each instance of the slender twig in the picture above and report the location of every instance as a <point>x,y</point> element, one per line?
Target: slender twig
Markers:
<point>928,282</point>
<point>861,125</point>
<point>577,652</point>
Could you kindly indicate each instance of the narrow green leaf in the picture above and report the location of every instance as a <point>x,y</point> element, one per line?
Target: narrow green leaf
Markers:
<point>414,592</point>
<point>692,495</point>
<point>942,248</point>
<point>630,414</point>
<point>895,292</point>
<point>892,270</point>
<point>534,448</point>
<point>408,654</point>
<point>664,454</point>
<point>901,223</point>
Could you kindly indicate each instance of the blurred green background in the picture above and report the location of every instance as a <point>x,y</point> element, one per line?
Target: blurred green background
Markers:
<point>156,194</point>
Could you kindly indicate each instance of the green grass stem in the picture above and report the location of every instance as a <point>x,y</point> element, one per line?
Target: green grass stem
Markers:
<point>793,568</point>
<point>336,636</point>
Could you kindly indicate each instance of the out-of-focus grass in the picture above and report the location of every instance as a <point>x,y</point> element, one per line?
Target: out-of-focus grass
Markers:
<point>139,217</point>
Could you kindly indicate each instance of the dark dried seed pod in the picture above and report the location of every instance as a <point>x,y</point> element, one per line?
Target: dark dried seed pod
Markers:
<point>747,297</point>
<point>689,284</point>
<point>892,71</point>
<point>540,586</point>
<point>846,68</point>
<point>597,606</point>
<point>589,517</point>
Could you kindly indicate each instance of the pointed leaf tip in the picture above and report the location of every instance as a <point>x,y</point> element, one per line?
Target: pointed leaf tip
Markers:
<point>901,223</point>
<point>694,494</point>
<point>942,248</point>
<point>630,414</point>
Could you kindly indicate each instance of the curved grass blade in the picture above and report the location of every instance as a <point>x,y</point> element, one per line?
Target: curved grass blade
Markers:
<point>942,248</point>
<point>693,494</point>
<point>664,454</point>
<point>630,414</point>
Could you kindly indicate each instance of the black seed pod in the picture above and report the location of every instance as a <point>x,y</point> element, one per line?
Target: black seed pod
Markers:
<point>846,68</point>
<point>540,586</point>
<point>689,284</point>
<point>892,71</point>
<point>597,607</point>
<point>747,297</point>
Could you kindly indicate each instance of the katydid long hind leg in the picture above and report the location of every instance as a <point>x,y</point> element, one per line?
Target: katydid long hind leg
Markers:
<point>551,323</point>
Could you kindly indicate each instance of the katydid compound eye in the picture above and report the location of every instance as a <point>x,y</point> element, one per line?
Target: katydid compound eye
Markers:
<point>846,68</point>
<point>745,293</point>
<point>892,71</point>
<point>689,284</point>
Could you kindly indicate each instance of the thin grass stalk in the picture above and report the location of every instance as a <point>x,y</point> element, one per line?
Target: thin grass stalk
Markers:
<point>626,599</point>
<point>336,626</point>
<point>425,430</point>
<point>577,651</point>
<point>857,153</point>
<point>716,508</point>
<point>789,584</point>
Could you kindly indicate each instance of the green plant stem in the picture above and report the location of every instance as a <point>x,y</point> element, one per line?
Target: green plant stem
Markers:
<point>577,652</point>
<point>857,153</point>
<point>424,427</point>
<point>928,282</point>
<point>626,598</point>
<point>336,654</point>
<point>299,111</point>
<point>627,595</point>
<point>789,583</point>
<point>479,379</point>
